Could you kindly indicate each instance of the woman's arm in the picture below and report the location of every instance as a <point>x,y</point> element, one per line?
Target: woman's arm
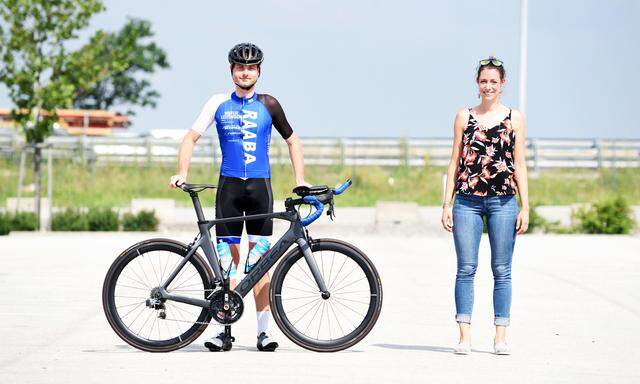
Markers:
<point>461,120</point>
<point>520,173</point>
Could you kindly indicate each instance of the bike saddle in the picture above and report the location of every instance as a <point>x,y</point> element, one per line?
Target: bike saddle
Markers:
<point>303,190</point>
<point>195,187</point>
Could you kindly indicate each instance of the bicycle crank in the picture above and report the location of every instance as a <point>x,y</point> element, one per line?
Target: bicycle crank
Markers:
<point>226,307</point>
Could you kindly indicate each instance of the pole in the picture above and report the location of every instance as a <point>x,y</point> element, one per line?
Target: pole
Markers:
<point>524,5</point>
<point>23,154</point>
<point>49,187</point>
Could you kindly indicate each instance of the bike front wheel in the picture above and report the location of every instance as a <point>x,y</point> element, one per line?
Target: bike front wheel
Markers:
<point>339,321</point>
<point>130,282</point>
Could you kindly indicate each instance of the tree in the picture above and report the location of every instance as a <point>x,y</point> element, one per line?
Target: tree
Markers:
<point>124,87</point>
<point>40,72</point>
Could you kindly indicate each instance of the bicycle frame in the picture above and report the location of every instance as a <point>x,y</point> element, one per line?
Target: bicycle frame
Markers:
<point>295,234</point>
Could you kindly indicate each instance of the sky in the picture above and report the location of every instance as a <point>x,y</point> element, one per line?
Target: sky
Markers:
<point>397,68</point>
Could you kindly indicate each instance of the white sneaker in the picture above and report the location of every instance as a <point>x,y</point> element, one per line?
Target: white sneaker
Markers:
<point>501,348</point>
<point>462,349</point>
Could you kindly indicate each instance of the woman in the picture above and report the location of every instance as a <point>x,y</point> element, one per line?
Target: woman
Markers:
<point>487,168</point>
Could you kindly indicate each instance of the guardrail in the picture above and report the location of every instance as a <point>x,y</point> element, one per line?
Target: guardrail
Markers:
<point>541,153</point>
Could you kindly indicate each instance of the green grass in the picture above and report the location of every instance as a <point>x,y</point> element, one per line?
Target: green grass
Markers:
<point>116,184</point>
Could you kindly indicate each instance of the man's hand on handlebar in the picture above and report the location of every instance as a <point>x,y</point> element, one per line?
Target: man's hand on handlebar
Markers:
<point>177,180</point>
<point>302,183</point>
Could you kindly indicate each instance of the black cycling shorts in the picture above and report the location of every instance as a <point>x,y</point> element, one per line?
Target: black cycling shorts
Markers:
<point>238,197</point>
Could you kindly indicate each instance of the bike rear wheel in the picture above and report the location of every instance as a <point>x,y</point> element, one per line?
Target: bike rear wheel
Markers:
<point>129,283</point>
<point>336,323</point>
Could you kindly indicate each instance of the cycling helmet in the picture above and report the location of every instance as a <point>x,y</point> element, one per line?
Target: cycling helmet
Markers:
<point>245,53</point>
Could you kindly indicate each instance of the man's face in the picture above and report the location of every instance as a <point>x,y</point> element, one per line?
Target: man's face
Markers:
<point>245,76</point>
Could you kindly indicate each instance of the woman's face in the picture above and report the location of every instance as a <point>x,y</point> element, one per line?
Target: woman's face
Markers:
<point>489,84</point>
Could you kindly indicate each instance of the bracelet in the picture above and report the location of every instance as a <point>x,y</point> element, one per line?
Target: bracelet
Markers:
<point>446,204</point>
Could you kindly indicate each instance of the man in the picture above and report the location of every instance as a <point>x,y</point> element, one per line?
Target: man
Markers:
<point>243,120</point>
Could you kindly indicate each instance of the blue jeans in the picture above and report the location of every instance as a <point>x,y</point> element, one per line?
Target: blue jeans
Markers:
<point>501,213</point>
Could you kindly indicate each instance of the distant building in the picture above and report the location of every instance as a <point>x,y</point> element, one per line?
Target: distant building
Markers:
<point>79,122</point>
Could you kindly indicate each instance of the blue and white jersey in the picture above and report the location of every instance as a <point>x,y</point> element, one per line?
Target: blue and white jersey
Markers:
<point>244,131</point>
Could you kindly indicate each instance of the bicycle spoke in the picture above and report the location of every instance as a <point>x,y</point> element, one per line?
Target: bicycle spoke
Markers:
<point>345,277</point>
<point>132,297</point>
<point>353,301</point>
<point>155,319</point>
<point>303,271</point>
<point>312,287</point>
<point>145,323</point>
<point>346,318</point>
<point>150,261</point>
<point>337,319</point>
<point>333,258</point>
<point>328,320</point>
<point>186,280</point>
<point>128,305</point>
<point>314,316</point>
<point>320,322</point>
<point>297,289</point>
<point>140,279</point>
<point>137,281</point>
<point>349,308</point>
<point>350,284</point>
<point>314,302</point>
<point>338,273</point>
<point>142,268</point>
<point>177,324</point>
<point>300,297</point>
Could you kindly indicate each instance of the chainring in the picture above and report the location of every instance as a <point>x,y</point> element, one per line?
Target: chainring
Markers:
<point>232,313</point>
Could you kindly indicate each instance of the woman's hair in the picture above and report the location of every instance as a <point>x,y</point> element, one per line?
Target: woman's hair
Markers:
<point>490,65</point>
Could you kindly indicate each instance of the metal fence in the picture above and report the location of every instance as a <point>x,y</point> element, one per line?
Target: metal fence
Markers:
<point>541,153</point>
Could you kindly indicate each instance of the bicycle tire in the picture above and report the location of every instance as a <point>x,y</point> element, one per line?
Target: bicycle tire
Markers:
<point>114,317</point>
<point>285,320</point>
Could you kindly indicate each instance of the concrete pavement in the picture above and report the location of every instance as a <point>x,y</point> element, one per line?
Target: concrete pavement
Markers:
<point>575,308</point>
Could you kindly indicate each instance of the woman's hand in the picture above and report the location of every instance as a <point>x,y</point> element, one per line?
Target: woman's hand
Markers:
<point>522,223</point>
<point>447,218</point>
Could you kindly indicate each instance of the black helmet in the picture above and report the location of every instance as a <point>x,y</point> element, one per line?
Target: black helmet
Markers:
<point>245,53</point>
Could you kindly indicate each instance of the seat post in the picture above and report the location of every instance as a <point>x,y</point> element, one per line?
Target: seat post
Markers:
<point>197,206</point>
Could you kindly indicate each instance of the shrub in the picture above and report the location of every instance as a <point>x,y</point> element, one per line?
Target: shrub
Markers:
<point>609,217</point>
<point>143,221</point>
<point>24,221</point>
<point>5,224</point>
<point>69,220</point>
<point>102,219</point>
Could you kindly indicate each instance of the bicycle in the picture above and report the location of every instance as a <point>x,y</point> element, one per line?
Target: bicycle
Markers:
<point>159,295</point>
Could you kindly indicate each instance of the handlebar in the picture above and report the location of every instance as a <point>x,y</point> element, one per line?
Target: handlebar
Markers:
<point>338,190</point>
<point>319,205</point>
<point>315,215</point>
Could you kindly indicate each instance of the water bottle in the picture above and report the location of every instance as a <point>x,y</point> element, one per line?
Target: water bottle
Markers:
<point>261,247</point>
<point>226,261</point>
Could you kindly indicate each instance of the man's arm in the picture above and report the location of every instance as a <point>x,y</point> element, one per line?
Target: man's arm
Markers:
<point>279,120</point>
<point>202,123</point>
<point>184,158</point>
<point>297,159</point>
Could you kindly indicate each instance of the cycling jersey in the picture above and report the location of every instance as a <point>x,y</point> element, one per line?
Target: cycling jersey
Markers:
<point>244,131</point>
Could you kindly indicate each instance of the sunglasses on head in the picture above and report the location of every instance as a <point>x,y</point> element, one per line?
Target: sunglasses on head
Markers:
<point>495,62</point>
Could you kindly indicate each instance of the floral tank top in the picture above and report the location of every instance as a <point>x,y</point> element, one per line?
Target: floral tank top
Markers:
<point>485,166</point>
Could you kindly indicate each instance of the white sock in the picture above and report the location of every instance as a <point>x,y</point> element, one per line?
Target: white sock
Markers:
<point>263,321</point>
